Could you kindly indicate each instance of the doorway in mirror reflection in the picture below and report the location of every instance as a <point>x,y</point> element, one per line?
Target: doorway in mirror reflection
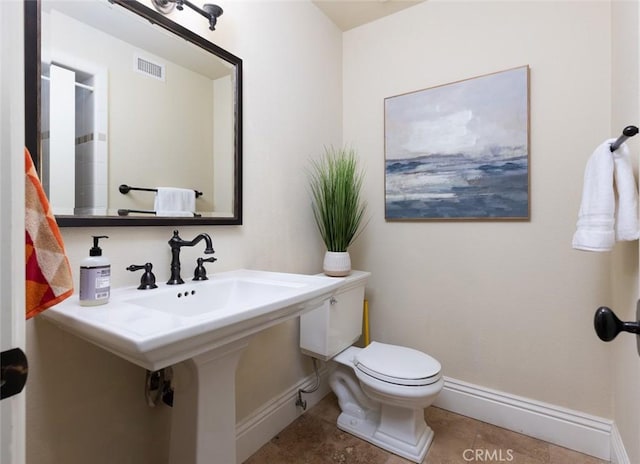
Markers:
<point>74,137</point>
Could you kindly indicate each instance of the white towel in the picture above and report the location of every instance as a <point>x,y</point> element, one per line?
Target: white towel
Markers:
<point>172,201</point>
<point>627,227</point>
<point>605,217</point>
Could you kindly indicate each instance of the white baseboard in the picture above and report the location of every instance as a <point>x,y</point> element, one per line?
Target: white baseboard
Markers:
<point>618,452</point>
<point>571,429</point>
<point>266,422</point>
<point>564,427</point>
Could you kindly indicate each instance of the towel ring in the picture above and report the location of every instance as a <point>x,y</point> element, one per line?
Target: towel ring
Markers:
<point>627,132</point>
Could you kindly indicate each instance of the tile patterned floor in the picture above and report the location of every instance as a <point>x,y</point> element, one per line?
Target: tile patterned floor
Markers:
<point>313,438</point>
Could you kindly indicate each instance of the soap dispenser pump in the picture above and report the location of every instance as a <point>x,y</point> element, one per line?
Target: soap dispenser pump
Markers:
<point>95,276</point>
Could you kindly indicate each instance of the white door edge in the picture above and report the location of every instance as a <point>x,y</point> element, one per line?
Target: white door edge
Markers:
<point>12,297</point>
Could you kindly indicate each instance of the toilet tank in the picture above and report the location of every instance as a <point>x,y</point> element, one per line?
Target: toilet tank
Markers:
<point>337,323</point>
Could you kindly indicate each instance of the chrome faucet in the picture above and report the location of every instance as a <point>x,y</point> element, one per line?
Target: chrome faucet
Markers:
<point>176,243</point>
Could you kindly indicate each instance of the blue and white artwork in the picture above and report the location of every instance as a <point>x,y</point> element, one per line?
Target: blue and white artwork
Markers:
<point>459,151</point>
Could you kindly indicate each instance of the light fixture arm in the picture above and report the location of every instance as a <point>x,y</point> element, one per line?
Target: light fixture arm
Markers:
<point>209,10</point>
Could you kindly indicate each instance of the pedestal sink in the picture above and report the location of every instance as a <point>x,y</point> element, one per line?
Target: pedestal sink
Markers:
<point>200,328</point>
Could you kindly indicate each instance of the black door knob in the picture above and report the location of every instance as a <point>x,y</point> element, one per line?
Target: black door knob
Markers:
<point>14,370</point>
<point>608,326</point>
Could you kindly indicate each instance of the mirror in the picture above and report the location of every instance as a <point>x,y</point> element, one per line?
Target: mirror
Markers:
<point>122,101</point>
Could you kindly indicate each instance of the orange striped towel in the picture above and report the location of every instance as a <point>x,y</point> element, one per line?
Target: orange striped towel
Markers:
<point>48,274</point>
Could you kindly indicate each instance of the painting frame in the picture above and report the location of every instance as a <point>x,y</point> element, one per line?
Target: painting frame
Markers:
<point>460,151</point>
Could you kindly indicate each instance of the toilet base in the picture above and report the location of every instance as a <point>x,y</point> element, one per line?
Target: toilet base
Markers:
<point>368,430</point>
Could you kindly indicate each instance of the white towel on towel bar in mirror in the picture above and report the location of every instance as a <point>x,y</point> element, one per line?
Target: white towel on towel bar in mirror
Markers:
<point>172,201</point>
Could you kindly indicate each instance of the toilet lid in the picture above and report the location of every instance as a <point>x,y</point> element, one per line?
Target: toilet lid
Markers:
<point>397,364</point>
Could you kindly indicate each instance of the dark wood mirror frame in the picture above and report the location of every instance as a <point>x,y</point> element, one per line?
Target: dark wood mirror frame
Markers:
<point>32,116</point>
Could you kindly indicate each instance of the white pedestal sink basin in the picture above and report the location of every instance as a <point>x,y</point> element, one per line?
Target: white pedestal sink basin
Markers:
<point>200,328</point>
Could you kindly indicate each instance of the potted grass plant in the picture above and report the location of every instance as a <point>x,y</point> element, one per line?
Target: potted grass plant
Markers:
<point>338,208</point>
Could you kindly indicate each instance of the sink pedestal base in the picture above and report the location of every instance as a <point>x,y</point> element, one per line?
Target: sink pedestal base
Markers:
<point>203,422</point>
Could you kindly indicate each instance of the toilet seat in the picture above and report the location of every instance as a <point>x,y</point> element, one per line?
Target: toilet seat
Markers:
<point>397,365</point>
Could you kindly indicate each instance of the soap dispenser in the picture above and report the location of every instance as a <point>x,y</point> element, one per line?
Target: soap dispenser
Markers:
<point>95,276</point>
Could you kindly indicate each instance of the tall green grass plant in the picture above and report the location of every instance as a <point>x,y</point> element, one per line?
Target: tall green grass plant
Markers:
<point>338,208</point>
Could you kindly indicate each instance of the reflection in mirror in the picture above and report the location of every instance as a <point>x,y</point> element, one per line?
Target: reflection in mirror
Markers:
<point>124,101</point>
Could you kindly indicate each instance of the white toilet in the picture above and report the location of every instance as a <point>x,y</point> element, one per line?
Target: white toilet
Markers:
<point>382,389</point>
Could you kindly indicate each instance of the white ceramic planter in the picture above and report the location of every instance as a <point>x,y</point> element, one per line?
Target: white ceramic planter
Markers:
<point>337,263</point>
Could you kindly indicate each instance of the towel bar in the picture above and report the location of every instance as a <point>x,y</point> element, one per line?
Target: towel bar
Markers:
<point>124,189</point>
<point>125,212</point>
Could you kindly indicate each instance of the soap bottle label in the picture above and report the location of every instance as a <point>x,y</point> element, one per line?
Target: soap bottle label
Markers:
<point>95,282</point>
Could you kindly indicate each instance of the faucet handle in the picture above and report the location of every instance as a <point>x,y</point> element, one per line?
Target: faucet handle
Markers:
<point>148,280</point>
<point>200,272</point>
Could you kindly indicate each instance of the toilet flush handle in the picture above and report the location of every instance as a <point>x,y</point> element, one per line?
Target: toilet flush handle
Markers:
<point>608,326</point>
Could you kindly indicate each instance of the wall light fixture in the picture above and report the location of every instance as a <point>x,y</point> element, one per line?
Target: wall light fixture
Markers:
<point>208,10</point>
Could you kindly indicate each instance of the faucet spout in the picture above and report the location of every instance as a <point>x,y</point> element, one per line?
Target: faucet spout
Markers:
<point>176,243</point>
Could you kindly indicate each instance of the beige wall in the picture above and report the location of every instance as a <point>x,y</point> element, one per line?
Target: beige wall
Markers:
<point>85,405</point>
<point>626,110</point>
<point>503,305</point>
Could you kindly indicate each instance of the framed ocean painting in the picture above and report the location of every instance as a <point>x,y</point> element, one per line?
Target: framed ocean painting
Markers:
<point>460,150</point>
